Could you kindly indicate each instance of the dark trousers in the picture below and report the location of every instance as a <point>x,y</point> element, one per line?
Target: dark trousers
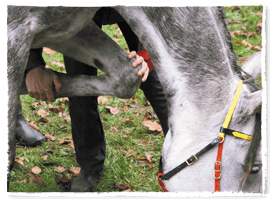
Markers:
<point>87,129</point>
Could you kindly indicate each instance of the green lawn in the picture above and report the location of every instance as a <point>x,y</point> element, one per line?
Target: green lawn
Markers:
<point>133,151</point>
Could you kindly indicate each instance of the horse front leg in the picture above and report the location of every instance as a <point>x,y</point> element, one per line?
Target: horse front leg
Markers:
<point>17,59</point>
<point>93,47</point>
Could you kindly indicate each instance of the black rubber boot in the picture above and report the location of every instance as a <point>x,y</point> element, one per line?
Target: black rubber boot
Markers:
<point>86,180</point>
<point>26,135</point>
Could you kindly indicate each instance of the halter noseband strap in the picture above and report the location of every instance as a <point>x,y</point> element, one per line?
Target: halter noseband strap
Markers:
<point>223,130</point>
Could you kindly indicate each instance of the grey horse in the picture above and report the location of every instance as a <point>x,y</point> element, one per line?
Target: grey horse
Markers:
<point>193,57</point>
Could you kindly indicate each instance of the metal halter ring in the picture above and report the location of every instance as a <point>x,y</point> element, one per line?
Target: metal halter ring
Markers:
<point>217,177</point>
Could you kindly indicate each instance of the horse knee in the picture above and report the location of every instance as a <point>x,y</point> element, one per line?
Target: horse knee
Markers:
<point>126,89</point>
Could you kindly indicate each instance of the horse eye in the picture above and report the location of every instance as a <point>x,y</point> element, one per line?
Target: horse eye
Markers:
<point>256,168</point>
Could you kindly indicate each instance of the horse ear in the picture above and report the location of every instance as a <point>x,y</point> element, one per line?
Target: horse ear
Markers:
<point>254,103</point>
<point>253,65</point>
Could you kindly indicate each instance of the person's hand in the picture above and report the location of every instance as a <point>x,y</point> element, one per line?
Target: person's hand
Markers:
<point>144,71</point>
<point>40,82</point>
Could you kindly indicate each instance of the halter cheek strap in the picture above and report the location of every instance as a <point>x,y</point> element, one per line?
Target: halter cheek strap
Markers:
<point>217,166</point>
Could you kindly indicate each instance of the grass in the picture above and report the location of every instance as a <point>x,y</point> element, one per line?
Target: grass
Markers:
<point>128,143</point>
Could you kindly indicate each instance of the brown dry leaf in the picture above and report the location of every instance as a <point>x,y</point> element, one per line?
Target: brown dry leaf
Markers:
<point>139,158</point>
<point>45,157</point>
<point>122,150</point>
<point>23,181</point>
<point>50,137</point>
<point>58,63</point>
<point>131,165</point>
<point>141,171</point>
<point>113,129</point>
<point>116,40</point>
<point>131,185</point>
<point>60,114</point>
<point>259,13</point>
<point>65,142</point>
<point>67,119</point>
<point>71,145</point>
<point>49,51</point>
<point>60,169</point>
<point>20,161</point>
<point>75,171</point>
<point>64,100</point>
<point>121,185</point>
<point>246,43</point>
<point>102,100</point>
<point>244,28</point>
<point>50,149</point>
<point>64,181</point>
<point>42,102</point>
<point>153,126</point>
<point>43,121</point>
<point>50,106</point>
<point>129,120</point>
<point>36,170</point>
<point>57,109</point>
<point>37,180</point>
<point>113,110</point>
<point>149,158</point>
<point>42,113</point>
<point>35,104</point>
<point>148,152</point>
<point>256,47</point>
<point>144,143</point>
<point>33,125</point>
<point>62,126</point>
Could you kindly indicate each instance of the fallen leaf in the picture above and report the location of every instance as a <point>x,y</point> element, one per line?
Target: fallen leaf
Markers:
<point>49,51</point>
<point>153,126</point>
<point>149,158</point>
<point>42,113</point>
<point>113,129</point>
<point>36,170</point>
<point>67,119</point>
<point>144,143</point>
<point>129,120</point>
<point>20,161</point>
<point>58,63</point>
<point>141,171</point>
<point>246,43</point>
<point>35,104</point>
<point>148,152</point>
<point>42,120</point>
<point>244,28</point>
<point>45,157</point>
<point>64,100</point>
<point>139,158</point>
<point>37,180</point>
<point>50,149</point>
<point>75,171</point>
<point>60,169</point>
<point>50,137</point>
<point>42,102</point>
<point>64,181</point>
<point>62,126</point>
<point>23,181</point>
<point>259,13</point>
<point>60,114</point>
<point>122,150</point>
<point>131,165</point>
<point>65,142</point>
<point>131,185</point>
<point>113,110</point>
<point>121,186</point>
<point>71,145</point>
<point>33,125</point>
<point>256,47</point>
<point>57,109</point>
<point>102,100</point>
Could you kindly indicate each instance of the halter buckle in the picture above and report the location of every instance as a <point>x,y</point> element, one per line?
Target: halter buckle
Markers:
<point>191,160</point>
<point>215,165</point>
